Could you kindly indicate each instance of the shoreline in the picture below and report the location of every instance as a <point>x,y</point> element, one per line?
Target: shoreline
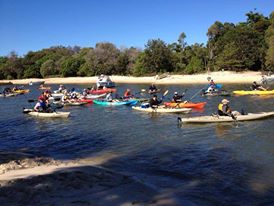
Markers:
<point>219,77</point>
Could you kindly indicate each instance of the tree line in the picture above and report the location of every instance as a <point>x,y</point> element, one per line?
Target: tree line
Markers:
<point>247,45</point>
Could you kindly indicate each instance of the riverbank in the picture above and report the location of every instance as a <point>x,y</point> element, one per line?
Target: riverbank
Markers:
<point>218,77</point>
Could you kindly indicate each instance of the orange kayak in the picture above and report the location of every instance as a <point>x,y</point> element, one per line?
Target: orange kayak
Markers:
<point>198,105</point>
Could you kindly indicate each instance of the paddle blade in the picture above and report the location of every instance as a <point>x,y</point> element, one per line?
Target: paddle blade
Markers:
<point>31,100</point>
<point>27,110</point>
<point>165,93</point>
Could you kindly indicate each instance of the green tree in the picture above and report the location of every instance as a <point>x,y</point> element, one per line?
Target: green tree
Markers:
<point>157,57</point>
<point>269,37</point>
<point>48,68</point>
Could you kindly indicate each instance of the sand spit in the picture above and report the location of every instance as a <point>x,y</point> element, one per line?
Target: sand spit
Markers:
<point>218,77</point>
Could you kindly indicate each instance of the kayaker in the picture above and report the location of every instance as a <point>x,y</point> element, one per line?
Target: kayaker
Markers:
<point>256,86</point>
<point>212,84</point>
<point>127,94</point>
<point>224,109</point>
<point>177,98</point>
<point>152,89</point>
<point>40,105</point>
<point>61,88</point>
<point>109,97</point>
<point>154,102</point>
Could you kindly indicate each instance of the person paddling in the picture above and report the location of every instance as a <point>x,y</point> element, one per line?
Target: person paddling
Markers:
<point>224,109</point>
<point>41,105</point>
<point>154,102</point>
<point>152,89</point>
<point>256,86</point>
<point>177,98</point>
<point>127,94</point>
<point>109,97</point>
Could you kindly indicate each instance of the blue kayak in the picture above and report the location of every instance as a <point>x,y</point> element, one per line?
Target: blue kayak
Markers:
<point>116,102</point>
<point>217,86</point>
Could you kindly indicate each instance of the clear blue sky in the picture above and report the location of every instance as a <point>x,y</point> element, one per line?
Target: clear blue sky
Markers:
<point>31,25</point>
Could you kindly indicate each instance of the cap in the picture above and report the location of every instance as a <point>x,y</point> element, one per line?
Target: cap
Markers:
<point>175,92</point>
<point>225,101</point>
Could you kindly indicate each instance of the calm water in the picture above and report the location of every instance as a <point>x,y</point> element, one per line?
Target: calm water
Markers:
<point>212,164</point>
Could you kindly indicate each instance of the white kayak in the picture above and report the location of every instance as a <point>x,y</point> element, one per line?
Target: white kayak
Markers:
<point>45,114</point>
<point>217,118</point>
<point>94,96</point>
<point>57,95</point>
<point>163,109</point>
<point>9,95</point>
<point>74,103</point>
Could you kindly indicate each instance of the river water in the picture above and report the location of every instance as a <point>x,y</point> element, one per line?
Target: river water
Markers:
<point>211,164</point>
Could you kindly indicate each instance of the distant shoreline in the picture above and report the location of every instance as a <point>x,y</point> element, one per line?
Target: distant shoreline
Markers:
<point>218,77</point>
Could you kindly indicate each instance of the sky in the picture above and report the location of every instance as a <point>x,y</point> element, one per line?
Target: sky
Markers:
<point>31,25</point>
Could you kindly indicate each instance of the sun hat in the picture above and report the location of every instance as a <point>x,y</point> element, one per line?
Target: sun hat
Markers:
<point>225,101</point>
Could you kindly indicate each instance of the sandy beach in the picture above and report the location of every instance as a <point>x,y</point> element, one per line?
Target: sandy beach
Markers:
<point>44,181</point>
<point>218,77</point>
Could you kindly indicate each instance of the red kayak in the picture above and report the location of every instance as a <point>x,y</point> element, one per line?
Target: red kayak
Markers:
<point>86,100</point>
<point>198,105</point>
<point>102,91</point>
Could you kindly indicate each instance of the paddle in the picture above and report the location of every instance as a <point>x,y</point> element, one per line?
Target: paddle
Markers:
<point>197,93</point>
<point>165,93</point>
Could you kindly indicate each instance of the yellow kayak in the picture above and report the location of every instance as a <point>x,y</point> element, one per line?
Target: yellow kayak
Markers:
<point>256,92</point>
<point>21,91</point>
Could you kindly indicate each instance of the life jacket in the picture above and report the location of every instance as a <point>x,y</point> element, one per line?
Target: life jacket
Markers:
<point>220,107</point>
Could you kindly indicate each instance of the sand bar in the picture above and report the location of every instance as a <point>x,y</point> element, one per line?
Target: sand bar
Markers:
<point>218,77</point>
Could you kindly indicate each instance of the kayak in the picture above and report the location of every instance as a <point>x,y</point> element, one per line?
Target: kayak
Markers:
<point>163,109</point>
<point>21,91</point>
<point>217,118</point>
<point>256,92</point>
<point>198,105</point>
<point>95,96</point>
<point>86,100</point>
<point>154,92</point>
<point>217,93</point>
<point>78,103</point>
<point>115,103</point>
<point>101,91</point>
<point>45,88</point>
<point>9,95</point>
<point>217,86</point>
<point>57,95</point>
<point>45,114</point>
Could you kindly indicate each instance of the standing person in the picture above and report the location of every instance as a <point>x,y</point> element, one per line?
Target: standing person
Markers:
<point>154,102</point>
<point>152,89</point>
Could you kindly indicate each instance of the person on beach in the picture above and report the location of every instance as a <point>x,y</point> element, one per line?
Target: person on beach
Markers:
<point>152,89</point>
<point>154,102</point>
<point>256,86</point>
